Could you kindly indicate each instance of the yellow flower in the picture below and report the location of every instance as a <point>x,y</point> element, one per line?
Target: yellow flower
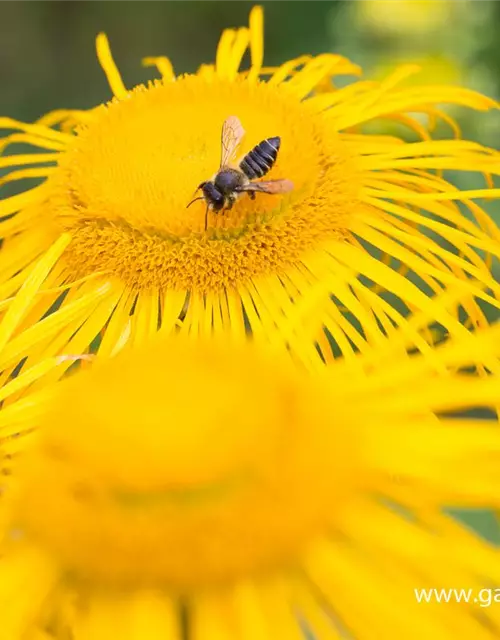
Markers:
<point>277,503</point>
<point>438,69</point>
<point>407,17</point>
<point>107,240</point>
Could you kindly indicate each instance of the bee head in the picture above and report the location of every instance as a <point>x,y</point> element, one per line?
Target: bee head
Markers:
<point>212,195</point>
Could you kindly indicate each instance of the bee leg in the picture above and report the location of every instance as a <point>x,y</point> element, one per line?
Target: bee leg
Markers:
<point>206,218</point>
<point>251,194</point>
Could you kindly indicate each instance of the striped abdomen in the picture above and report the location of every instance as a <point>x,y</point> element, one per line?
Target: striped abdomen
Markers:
<point>261,158</point>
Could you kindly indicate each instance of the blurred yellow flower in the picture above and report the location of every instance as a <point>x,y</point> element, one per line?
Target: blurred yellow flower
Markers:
<point>435,69</point>
<point>106,238</point>
<point>406,16</point>
<point>194,489</point>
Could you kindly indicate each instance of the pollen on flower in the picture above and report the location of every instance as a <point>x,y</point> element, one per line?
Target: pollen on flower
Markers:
<point>123,187</point>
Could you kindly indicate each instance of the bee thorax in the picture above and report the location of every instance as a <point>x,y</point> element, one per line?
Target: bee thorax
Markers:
<point>228,180</point>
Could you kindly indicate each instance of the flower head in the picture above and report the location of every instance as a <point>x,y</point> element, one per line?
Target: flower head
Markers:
<point>106,244</point>
<point>409,17</point>
<point>279,503</point>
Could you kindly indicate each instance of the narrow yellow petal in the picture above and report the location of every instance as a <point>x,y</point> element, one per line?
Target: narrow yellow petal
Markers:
<point>399,251</point>
<point>206,321</point>
<point>164,66</point>
<point>31,285</point>
<point>223,56</point>
<point>34,141</point>
<point>31,158</point>
<point>20,416</point>
<point>335,103</point>
<point>321,622</point>
<point>345,575</point>
<point>17,202</point>
<point>44,299</point>
<point>342,276</point>
<point>252,621</point>
<point>25,378</point>
<point>212,619</point>
<point>287,69</point>
<point>134,616</point>
<point>194,315</point>
<point>437,397</point>
<point>146,319</point>
<point>459,195</point>
<point>411,123</point>
<point>38,172</point>
<point>240,45</point>
<point>256,41</point>
<point>109,67</point>
<point>19,253</point>
<point>76,340</point>
<point>51,326</point>
<point>414,99</point>
<point>172,304</point>
<point>250,312</point>
<point>445,117</point>
<point>419,551</point>
<point>206,71</point>
<point>113,334</point>
<point>455,236</point>
<point>400,74</point>
<point>391,280</point>
<point>438,148</point>
<point>313,73</point>
<point>36,129</point>
<point>232,313</point>
<point>279,610</point>
<point>481,558</point>
<point>59,116</point>
<point>37,634</point>
<point>26,578</point>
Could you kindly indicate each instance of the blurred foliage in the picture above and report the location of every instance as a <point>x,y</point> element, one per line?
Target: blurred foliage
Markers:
<point>454,41</point>
<point>47,48</point>
<point>47,57</point>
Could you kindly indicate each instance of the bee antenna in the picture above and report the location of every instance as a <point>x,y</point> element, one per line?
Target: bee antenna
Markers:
<point>194,200</point>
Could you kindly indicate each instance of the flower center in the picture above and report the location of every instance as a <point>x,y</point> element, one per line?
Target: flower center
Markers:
<point>124,186</point>
<point>132,480</point>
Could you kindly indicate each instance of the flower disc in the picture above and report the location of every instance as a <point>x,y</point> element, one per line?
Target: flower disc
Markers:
<point>125,454</point>
<point>125,184</point>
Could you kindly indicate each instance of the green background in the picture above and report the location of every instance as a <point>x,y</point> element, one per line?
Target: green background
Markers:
<point>47,55</point>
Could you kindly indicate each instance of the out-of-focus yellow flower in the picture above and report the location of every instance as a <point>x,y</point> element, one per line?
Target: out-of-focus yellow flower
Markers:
<point>196,486</point>
<point>106,238</point>
<point>435,69</point>
<point>405,16</point>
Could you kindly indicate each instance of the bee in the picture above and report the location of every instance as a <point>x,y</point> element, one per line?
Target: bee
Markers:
<point>229,183</point>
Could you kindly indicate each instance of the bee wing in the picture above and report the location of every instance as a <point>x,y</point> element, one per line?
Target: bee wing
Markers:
<point>269,186</point>
<point>232,134</point>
